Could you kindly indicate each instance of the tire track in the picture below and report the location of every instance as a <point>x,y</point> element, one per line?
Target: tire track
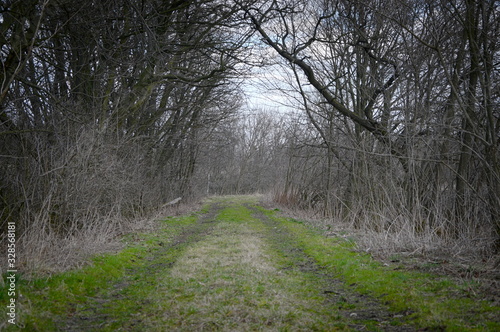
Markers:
<point>355,307</point>
<point>89,316</point>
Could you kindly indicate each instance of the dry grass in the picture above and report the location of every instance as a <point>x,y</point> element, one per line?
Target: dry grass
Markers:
<point>229,282</point>
<point>239,250</point>
<point>390,235</point>
<point>44,250</point>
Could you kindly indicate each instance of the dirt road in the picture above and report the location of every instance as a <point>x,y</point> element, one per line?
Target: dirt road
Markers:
<point>235,266</point>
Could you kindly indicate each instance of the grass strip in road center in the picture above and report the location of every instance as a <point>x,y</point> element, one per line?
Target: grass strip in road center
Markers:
<point>229,282</point>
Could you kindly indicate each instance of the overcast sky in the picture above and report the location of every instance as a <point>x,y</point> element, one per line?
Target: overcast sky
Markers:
<point>265,89</point>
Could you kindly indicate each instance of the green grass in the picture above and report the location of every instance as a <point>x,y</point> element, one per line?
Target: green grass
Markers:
<point>47,302</point>
<point>229,282</point>
<point>433,301</point>
<point>238,267</point>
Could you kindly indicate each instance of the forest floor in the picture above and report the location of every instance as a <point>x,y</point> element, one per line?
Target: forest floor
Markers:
<point>236,266</point>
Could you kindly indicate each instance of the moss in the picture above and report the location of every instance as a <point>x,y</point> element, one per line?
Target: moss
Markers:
<point>433,300</point>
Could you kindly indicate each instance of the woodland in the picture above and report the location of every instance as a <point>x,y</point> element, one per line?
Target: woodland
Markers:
<point>110,109</point>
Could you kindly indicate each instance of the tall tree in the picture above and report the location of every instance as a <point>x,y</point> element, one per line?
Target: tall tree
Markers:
<point>104,98</point>
<point>412,84</point>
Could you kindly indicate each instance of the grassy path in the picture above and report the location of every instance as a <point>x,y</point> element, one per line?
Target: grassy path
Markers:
<point>238,267</point>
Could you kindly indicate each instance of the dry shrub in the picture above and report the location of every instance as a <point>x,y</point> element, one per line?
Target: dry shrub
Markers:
<point>382,225</point>
<point>44,251</point>
<point>80,194</point>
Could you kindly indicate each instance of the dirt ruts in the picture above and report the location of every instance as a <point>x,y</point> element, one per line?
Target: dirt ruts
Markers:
<point>358,311</point>
<point>352,305</point>
<point>90,316</point>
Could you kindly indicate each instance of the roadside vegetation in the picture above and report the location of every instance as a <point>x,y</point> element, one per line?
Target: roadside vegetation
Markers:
<point>237,266</point>
<point>380,115</point>
<point>429,300</point>
<point>373,126</point>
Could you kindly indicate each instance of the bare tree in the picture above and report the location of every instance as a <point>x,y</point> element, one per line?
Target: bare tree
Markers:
<point>412,84</point>
<point>104,105</point>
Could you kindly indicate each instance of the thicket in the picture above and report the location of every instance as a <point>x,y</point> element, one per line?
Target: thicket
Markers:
<point>400,122</point>
<point>110,109</point>
<point>104,108</point>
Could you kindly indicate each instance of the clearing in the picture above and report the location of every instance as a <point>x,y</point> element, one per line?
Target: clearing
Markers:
<point>236,266</point>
